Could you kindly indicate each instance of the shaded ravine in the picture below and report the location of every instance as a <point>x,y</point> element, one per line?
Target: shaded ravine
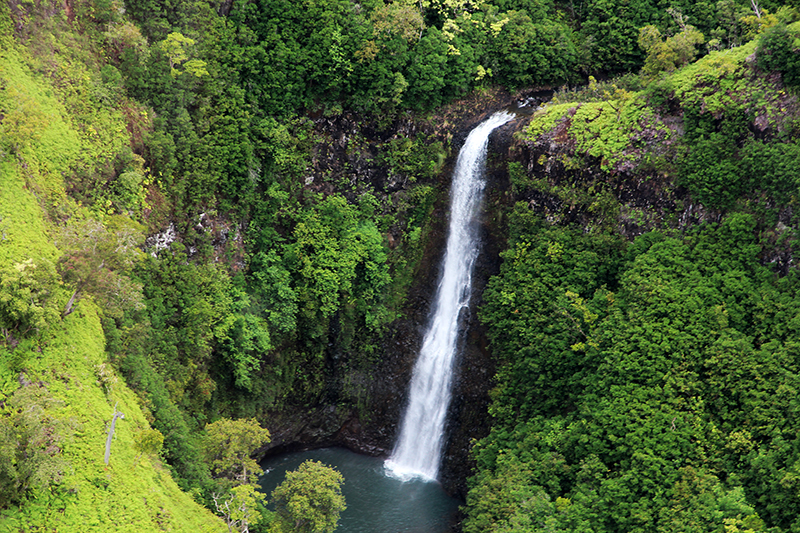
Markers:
<point>418,450</point>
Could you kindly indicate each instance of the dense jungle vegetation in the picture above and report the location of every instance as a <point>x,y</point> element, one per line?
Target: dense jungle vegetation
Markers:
<point>650,384</point>
<point>181,241</point>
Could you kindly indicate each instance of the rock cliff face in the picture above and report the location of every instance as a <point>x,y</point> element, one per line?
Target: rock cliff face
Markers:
<point>573,187</point>
<point>349,149</point>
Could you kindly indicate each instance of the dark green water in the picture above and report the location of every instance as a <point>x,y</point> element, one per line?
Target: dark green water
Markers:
<point>376,503</point>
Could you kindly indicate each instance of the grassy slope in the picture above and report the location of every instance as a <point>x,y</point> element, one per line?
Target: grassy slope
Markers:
<point>592,135</point>
<point>128,494</point>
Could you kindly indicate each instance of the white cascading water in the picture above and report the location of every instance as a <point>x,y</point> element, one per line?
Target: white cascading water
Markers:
<point>417,452</point>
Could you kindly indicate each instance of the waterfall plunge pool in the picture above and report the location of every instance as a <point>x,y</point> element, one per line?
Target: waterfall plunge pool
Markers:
<point>376,502</point>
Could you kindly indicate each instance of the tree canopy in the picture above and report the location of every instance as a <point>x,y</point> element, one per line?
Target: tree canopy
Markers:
<point>309,500</point>
<point>228,445</point>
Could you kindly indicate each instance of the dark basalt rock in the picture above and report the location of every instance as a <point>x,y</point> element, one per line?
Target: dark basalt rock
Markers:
<point>372,429</point>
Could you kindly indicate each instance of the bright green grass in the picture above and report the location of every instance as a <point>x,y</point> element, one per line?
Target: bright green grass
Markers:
<point>36,132</point>
<point>130,494</point>
<point>718,81</point>
<point>23,231</point>
<point>600,129</point>
<point>545,119</point>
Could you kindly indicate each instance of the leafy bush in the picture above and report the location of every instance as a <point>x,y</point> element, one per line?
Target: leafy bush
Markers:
<point>27,303</point>
<point>29,445</point>
<point>309,500</point>
<point>778,51</point>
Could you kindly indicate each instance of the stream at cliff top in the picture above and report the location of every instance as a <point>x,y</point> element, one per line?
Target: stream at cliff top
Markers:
<point>376,503</point>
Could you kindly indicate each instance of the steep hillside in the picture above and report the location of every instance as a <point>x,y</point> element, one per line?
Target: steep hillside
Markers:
<point>58,390</point>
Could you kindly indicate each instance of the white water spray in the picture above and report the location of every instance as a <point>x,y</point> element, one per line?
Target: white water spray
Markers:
<point>417,452</point>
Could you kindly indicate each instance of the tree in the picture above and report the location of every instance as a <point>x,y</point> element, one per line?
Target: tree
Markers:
<point>26,303</point>
<point>95,257</point>
<point>309,500</point>
<point>672,52</point>
<point>777,52</point>
<point>240,507</point>
<point>243,338</point>
<point>228,445</point>
<point>175,47</point>
<point>147,442</point>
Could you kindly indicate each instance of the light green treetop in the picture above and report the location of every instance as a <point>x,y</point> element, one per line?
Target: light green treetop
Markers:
<point>175,46</point>
<point>309,500</point>
<point>670,53</point>
<point>240,507</point>
<point>228,445</point>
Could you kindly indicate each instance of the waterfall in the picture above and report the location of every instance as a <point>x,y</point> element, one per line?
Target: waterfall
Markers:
<point>417,452</point>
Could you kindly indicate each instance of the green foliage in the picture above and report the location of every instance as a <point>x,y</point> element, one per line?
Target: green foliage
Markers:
<point>30,445</point>
<point>243,338</point>
<point>598,132</point>
<point>27,305</point>
<point>95,257</point>
<point>330,242</point>
<point>609,34</point>
<point>711,169</point>
<point>309,500</point>
<point>53,427</point>
<point>546,118</point>
<point>532,307</point>
<point>189,308</point>
<point>416,158</point>
<point>773,167</point>
<point>228,445</point>
<point>719,153</point>
<point>331,268</point>
<point>533,54</point>
<point>174,46</point>
<point>636,395</point>
<point>671,53</point>
<point>273,282</point>
<point>606,129</point>
<point>427,73</point>
<point>718,82</point>
<point>132,493</point>
<point>778,51</point>
<point>149,442</point>
<point>241,507</point>
<point>127,345</point>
